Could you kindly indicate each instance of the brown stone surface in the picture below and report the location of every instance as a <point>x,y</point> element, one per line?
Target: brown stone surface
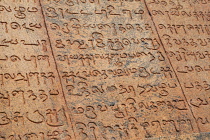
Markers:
<point>104,69</point>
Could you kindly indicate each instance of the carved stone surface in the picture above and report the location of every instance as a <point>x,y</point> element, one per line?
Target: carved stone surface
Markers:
<point>104,69</point>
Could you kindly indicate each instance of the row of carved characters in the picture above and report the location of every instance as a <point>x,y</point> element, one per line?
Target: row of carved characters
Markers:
<point>78,2</point>
<point>98,130</point>
<point>46,135</point>
<point>118,59</point>
<point>28,78</point>
<point>73,2</point>
<point>99,41</point>
<point>199,102</point>
<point>35,59</point>
<point>174,13</point>
<point>121,130</point>
<point>18,1</point>
<point>185,42</point>
<point>74,26</point>
<point>175,4</point>
<point>185,55</point>
<point>179,3</point>
<point>132,128</point>
<point>50,117</point>
<point>128,108</point>
<point>20,12</point>
<point>85,89</point>
<point>19,26</point>
<point>124,1</point>
<point>32,43</point>
<point>125,109</point>
<point>26,96</point>
<point>185,69</point>
<point>143,72</point>
<point>107,12</point>
<point>197,85</point>
<point>185,29</point>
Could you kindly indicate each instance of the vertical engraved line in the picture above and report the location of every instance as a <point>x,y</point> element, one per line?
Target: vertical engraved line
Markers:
<point>147,8</point>
<point>45,24</point>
